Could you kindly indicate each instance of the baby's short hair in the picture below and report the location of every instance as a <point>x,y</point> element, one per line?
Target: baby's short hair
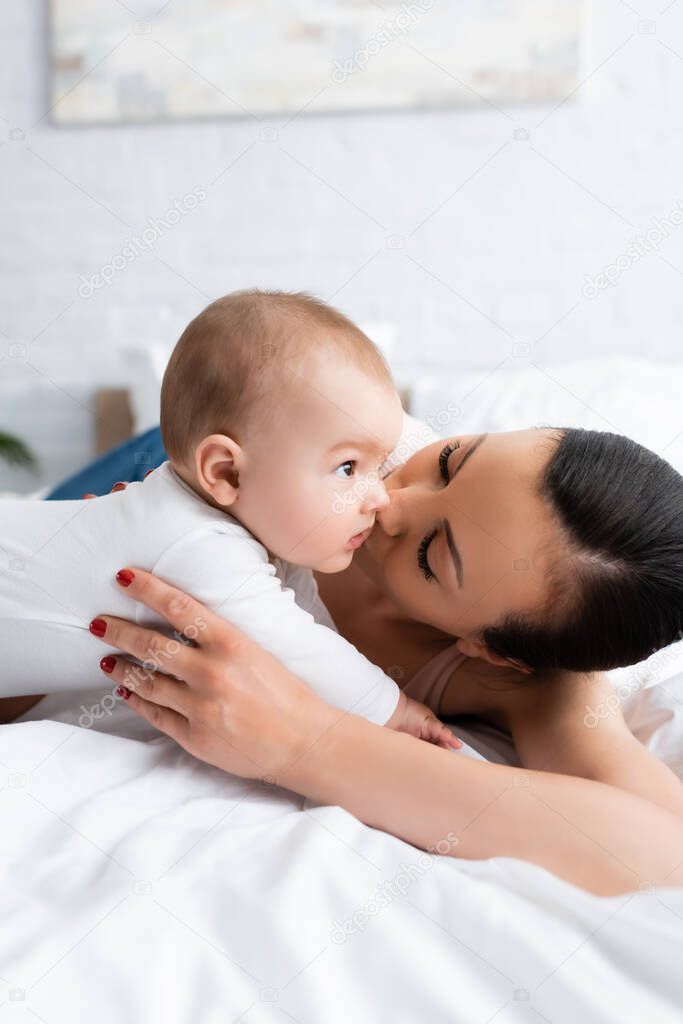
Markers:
<point>240,348</point>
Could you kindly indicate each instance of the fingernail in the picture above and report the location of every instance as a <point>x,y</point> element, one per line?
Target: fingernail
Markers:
<point>88,495</point>
<point>107,664</point>
<point>123,691</point>
<point>98,627</point>
<point>125,577</point>
<point>119,486</point>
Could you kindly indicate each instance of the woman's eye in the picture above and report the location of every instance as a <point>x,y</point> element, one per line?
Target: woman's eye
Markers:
<point>425,568</point>
<point>446,451</point>
<point>350,464</point>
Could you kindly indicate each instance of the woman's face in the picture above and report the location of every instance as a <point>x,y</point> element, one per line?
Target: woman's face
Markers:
<point>470,507</point>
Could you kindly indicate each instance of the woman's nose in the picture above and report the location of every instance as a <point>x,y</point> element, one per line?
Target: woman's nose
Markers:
<point>394,516</point>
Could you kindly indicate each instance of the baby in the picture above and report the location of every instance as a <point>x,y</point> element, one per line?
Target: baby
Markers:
<point>277,413</point>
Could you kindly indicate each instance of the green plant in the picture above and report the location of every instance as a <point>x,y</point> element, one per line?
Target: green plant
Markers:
<point>15,452</point>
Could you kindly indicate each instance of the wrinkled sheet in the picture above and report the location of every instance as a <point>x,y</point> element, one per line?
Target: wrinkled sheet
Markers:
<point>139,884</point>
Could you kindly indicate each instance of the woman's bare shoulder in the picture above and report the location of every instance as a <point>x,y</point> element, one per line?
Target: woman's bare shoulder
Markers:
<point>519,703</point>
<point>548,725</point>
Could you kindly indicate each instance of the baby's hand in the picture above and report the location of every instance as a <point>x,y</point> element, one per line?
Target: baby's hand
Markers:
<point>417,720</point>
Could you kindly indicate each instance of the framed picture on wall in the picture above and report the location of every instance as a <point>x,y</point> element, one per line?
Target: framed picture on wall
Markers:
<point>208,58</point>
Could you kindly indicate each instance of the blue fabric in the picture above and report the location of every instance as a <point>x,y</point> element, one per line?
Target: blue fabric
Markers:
<point>128,461</point>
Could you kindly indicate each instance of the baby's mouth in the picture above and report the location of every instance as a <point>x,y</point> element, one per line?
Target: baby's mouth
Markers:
<point>376,540</point>
<point>359,538</point>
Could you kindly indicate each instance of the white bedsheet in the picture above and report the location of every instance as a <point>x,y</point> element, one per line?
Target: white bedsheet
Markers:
<point>141,885</point>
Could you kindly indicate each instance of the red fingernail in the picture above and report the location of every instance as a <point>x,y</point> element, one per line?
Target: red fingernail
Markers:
<point>123,691</point>
<point>118,486</point>
<point>125,577</point>
<point>107,664</point>
<point>98,627</point>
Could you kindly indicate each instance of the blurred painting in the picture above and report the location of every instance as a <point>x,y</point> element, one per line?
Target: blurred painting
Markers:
<point>137,61</point>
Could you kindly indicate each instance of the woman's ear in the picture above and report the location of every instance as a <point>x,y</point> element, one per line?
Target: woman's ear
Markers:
<point>218,460</point>
<point>470,648</point>
<point>478,649</point>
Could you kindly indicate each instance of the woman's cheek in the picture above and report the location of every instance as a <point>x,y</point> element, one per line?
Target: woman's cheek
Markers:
<point>399,580</point>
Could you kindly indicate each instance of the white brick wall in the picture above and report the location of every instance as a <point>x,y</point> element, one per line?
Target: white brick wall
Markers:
<point>518,223</point>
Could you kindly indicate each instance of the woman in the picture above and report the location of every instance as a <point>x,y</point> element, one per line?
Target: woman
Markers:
<point>528,573</point>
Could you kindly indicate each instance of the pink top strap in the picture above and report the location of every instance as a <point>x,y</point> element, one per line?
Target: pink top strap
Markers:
<point>429,682</point>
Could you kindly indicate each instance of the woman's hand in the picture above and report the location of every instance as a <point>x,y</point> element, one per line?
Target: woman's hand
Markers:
<point>120,485</point>
<point>220,696</point>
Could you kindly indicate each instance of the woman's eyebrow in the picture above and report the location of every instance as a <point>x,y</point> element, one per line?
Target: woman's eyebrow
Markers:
<point>450,540</point>
<point>453,548</point>
<point>469,453</point>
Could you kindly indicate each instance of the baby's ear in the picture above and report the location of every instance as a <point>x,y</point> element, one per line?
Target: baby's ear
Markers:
<point>218,460</point>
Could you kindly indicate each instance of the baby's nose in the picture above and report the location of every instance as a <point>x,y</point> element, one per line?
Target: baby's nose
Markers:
<point>389,516</point>
<point>376,498</point>
<point>382,500</point>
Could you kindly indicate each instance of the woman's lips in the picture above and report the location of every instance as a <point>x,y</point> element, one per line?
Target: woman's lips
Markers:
<point>358,538</point>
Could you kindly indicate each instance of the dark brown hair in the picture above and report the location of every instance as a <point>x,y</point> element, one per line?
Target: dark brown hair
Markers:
<point>620,594</point>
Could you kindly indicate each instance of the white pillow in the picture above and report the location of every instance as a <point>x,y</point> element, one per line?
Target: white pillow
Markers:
<point>654,713</point>
<point>623,395</point>
<point>145,372</point>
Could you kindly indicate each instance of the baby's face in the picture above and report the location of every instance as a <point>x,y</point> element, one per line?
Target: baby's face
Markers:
<point>310,485</point>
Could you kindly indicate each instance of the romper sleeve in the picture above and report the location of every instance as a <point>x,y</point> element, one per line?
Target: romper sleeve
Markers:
<point>230,573</point>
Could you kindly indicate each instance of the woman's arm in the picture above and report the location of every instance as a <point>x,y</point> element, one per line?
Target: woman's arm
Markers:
<point>599,838</point>
<point>233,705</point>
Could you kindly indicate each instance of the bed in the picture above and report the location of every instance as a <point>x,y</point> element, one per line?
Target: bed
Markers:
<point>142,885</point>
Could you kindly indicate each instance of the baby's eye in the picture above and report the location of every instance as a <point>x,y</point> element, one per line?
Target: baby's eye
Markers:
<point>351,463</point>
